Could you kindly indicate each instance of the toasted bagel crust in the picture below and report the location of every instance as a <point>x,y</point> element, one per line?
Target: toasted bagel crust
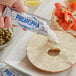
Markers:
<point>39,45</point>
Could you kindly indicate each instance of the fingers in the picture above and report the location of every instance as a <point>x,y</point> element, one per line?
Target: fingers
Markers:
<point>1,22</point>
<point>8,22</point>
<point>19,5</point>
<point>7,2</point>
<point>1,9</point>
<point>4,22</point>
<point>1,18</point>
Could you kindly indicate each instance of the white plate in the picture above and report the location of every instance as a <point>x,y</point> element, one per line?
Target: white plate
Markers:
<point>17,57</point>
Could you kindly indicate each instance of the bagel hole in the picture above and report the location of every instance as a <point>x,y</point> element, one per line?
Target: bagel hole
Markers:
<point>54,52</point>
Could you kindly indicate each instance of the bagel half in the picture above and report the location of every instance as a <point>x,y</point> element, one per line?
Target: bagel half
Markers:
<point>55,24</point>
<point>38,49</point>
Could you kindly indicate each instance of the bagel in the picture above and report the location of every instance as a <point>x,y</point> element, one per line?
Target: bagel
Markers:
<point>50,57</point>
<point>55,25</point>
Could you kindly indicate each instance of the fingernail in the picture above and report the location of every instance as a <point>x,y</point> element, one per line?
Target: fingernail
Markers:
<point>8,22</point>
<point>1,22</point>
<point>0,13</point>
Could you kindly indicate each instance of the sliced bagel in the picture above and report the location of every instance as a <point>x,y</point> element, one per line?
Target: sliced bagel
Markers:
<point>55,25</point>
<point>47,56</point>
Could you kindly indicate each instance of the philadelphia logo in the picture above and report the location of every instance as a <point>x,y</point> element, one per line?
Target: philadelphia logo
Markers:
<point>27,23</point>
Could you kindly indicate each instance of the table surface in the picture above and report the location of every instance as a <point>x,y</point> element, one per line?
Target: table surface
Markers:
<point>18,32</point>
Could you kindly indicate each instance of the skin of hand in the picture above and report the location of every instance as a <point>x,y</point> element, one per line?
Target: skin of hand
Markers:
<point>6,22</point>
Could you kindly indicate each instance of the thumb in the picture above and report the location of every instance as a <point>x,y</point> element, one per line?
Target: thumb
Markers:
<point>7,2</point>
<point>19,6</point>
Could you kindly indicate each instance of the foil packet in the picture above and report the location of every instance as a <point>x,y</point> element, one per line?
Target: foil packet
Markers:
<point>28,21</point>
<point>6,71</point>
<point>31,22</point>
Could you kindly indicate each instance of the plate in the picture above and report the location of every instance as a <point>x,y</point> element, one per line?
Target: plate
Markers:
<point>19,60</point>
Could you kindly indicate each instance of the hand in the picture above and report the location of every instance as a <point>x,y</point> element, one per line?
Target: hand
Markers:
<point>6,22</point>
